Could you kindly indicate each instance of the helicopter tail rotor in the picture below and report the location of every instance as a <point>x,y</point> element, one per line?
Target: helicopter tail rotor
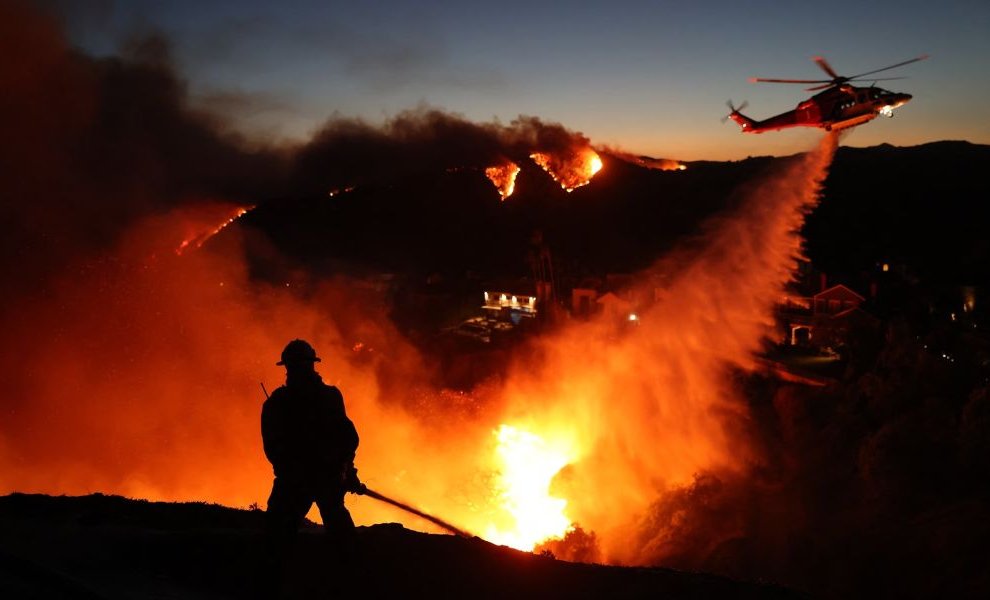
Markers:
<point>734,109</point>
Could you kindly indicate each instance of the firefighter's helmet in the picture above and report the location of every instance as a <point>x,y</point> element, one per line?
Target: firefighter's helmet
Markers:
<point>298,351</point>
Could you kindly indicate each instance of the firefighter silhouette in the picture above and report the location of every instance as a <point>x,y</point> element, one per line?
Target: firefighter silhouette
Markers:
<point>310,443</point>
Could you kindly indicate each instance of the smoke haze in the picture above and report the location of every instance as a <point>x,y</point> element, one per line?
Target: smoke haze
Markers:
<point>132,357</point>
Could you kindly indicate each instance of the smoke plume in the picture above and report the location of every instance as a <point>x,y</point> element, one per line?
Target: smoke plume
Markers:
<point>132,350</point>
<point>93,145</point>
<point>348,152</point>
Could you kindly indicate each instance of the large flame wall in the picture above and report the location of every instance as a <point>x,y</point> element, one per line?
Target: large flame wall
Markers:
<point>129,368</point>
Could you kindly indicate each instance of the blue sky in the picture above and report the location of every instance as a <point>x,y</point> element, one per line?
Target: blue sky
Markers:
<point>649,77</point>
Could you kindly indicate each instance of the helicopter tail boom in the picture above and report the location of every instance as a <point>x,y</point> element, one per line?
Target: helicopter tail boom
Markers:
<point>742,120</point>
<point>747,124</point>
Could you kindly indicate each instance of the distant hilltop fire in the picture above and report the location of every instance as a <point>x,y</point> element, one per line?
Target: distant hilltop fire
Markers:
<point>647,162</point>
<point>572,169</point>
<point>660,164</point>
<point>351,152</point>
<point>573,165</point>
<point>204,220</point>
<point>504,178</point>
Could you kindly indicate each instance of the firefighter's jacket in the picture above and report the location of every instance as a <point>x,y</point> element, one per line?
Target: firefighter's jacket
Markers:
<point>306,432</point>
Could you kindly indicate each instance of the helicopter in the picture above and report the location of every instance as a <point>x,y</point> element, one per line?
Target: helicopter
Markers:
<point>840,105</point>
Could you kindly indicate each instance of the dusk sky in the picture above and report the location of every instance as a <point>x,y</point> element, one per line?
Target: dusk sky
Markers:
<point>647,77</point>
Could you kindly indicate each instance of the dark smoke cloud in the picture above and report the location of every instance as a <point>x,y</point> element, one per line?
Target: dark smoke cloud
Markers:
<point>245,108</point>
<point>91,145</point>
<point>347,152</point>
<point>127,367</point>
<point>131,369</point>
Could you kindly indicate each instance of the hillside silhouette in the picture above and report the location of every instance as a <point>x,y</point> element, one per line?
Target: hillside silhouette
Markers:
<point>99,546</point>
<point>920,206</point>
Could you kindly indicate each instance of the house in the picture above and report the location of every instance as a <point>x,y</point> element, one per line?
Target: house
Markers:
<point>836,330</point>
<point>614,296</point>
<point>823,319</point>
<point>583,301</point>
<point>509,306</point>
<point>835,300</point>
<point>614,306</point>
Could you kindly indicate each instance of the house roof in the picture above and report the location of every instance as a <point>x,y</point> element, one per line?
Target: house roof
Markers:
<point>854,313</point>
<point>610,298</point>
<point>839,292</point>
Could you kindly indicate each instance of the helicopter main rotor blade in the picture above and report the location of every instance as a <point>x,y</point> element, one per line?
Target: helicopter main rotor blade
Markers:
<point>764,80</point>
<point>842,81</point>
<point>900,64</point>
<point>823,64</point>
<point>879,78</point>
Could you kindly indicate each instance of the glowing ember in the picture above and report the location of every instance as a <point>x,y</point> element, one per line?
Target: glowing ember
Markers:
<point>338,191</point>
<point>570,172</point>
<point>660,164</point>
<point>203,227</point>
<point>504,178</point>
<point>656,164</point>
<point>528,464</point>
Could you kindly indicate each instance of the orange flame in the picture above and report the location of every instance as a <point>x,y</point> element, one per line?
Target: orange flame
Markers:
<point>657,164</point>
<point>504,178</point>
<point>338,191</point>
<point>527,465</point>
<point>572,171</point>
<point>660,164</point>
<point>201,223</point>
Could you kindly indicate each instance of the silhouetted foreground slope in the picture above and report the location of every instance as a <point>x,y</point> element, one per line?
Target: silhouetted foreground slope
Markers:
<point>111,547</point>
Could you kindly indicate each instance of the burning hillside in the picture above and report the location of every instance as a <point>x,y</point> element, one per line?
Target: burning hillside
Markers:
<point>140,319</point>
<point>649,162</point>
<point>572,170</point>
<point>129,321</point>
<point>205,220</point>
<point>527,464</point>
<point>503,177</point>
<point>349,152</point>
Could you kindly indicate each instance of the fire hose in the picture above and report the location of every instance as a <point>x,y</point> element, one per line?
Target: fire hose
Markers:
<point>363,490</point>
